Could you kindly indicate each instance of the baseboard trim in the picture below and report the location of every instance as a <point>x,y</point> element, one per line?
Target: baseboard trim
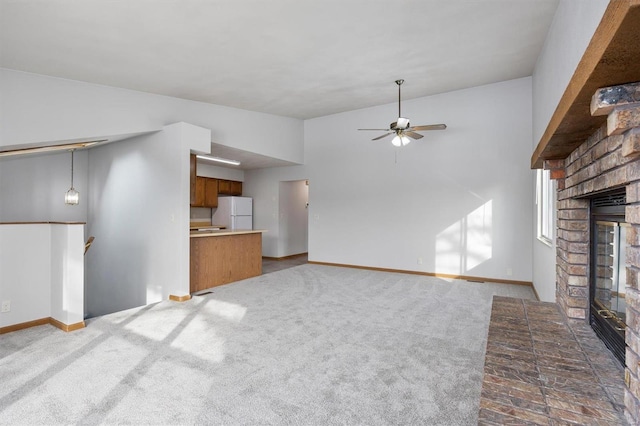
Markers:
<point>23,325</point>
<point>183,298</point>
<point>42,321</point>
<point>291,256</point>
<point>66,327</point>
<point>429,274</point>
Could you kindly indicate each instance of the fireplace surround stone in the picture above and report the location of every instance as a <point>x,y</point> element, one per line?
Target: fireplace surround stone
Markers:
<point>608,159</point>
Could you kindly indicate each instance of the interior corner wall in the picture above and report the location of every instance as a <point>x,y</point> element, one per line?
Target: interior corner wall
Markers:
<point>263,185</point>
<point>139,216</point>
<point>32,187</point>
<point>458,201</point>
<point>573,26</point>
<point>293,217</point>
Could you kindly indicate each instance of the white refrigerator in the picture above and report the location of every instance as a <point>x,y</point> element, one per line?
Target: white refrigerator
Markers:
<point>234,213</point>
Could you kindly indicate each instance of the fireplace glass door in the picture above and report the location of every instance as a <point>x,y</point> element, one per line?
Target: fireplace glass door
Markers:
<point>610,279</point>
<point>608,270</point>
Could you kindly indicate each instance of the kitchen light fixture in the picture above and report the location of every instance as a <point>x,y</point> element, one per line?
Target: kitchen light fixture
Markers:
<point>400,140</point>
<point>219,160</point>
<point>72,196</point>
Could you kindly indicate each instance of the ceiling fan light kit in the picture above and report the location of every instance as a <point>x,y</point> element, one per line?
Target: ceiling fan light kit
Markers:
<point>402,128</point>
<point>400,140</point>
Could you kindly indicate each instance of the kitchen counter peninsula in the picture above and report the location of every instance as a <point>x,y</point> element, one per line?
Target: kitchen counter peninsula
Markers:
<point>223,256</point>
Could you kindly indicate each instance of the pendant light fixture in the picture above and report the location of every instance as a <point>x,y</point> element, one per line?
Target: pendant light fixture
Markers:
<point>72,197</point>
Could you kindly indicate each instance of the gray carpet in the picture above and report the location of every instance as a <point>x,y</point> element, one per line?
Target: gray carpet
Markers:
<point>311,345</point>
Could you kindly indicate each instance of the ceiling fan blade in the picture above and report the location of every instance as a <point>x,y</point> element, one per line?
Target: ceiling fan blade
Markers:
<point>413,135</point>
<point>383,136</point>
<point>430,127</point>
<point>377,130</point>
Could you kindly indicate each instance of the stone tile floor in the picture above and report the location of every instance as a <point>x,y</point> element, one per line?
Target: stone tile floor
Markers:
<point>541,369</point>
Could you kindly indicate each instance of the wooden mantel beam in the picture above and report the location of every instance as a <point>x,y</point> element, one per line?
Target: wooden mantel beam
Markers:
<point>612,58</point>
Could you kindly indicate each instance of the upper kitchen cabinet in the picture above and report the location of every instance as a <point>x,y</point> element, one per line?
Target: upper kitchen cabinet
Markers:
<point>229,187</point>
<point>204,191</point>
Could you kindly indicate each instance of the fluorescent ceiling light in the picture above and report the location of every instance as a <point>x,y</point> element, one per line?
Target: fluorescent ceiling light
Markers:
<point>219,160</point>
<point>50,148</point>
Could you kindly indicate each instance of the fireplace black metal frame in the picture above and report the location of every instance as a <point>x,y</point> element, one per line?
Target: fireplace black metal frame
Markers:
<point>607,326</point>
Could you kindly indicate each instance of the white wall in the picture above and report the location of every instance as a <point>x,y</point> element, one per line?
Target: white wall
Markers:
<point>573,26</point>
<point>32,188</point>
<point>41,272</point>
<point>67,273</point>
<point>25,270</point>
<point>139,215</point>
<point>459,200</point>
<point>263,185</point>
<point>293,217</point>
<point>36,108</point>
<point>209,170</point>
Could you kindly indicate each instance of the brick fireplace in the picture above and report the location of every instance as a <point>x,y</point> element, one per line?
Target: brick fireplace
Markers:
<point>608,160</point>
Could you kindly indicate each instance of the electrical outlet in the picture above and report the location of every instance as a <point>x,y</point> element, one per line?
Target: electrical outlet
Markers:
<point>419,261</point>
<point>6,305</point>
<point>509,272</point>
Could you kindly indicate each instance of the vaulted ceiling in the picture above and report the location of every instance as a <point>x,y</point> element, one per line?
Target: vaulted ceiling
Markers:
<point>296,58</point>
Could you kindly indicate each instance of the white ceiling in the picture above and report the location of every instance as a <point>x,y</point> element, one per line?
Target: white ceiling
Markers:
<point>296,58</point>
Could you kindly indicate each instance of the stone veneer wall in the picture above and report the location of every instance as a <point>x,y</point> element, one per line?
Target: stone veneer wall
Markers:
<point>608,159</point>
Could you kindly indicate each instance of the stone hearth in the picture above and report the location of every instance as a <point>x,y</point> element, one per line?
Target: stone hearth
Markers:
<point>543,369</point>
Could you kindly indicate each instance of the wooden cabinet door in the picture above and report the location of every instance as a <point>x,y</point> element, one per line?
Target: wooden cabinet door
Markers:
<point>206,192</point>
<point>229,187</point>
<point>199,191</point>
<point>224,187</point>
<point>236,188</point>
<point>211,192</point>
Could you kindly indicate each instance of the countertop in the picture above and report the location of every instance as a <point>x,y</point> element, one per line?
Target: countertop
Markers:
<point>222,232</point>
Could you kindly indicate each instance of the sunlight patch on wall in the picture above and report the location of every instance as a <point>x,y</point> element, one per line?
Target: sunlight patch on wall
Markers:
<point>467,243</point>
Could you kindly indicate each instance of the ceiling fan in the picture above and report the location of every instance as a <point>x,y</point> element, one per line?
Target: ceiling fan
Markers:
<point>402,128</point>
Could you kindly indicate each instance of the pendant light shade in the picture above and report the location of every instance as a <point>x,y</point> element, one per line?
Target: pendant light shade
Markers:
<point>72,197</point>
<point>400,140</point>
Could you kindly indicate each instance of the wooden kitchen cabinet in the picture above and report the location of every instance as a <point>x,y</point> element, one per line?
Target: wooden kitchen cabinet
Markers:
<point>236,188</point>
<point>224,258</point>
<point>229,187</point>
<point>206,192</point>
<point>210,192</point>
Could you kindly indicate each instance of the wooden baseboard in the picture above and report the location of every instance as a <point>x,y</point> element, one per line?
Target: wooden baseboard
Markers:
<point>23,325</point>
<point>66,327</point>
<point>429,274</point>
<point>183,298</point>
<point>292,256</point>
<point>42,321</point>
